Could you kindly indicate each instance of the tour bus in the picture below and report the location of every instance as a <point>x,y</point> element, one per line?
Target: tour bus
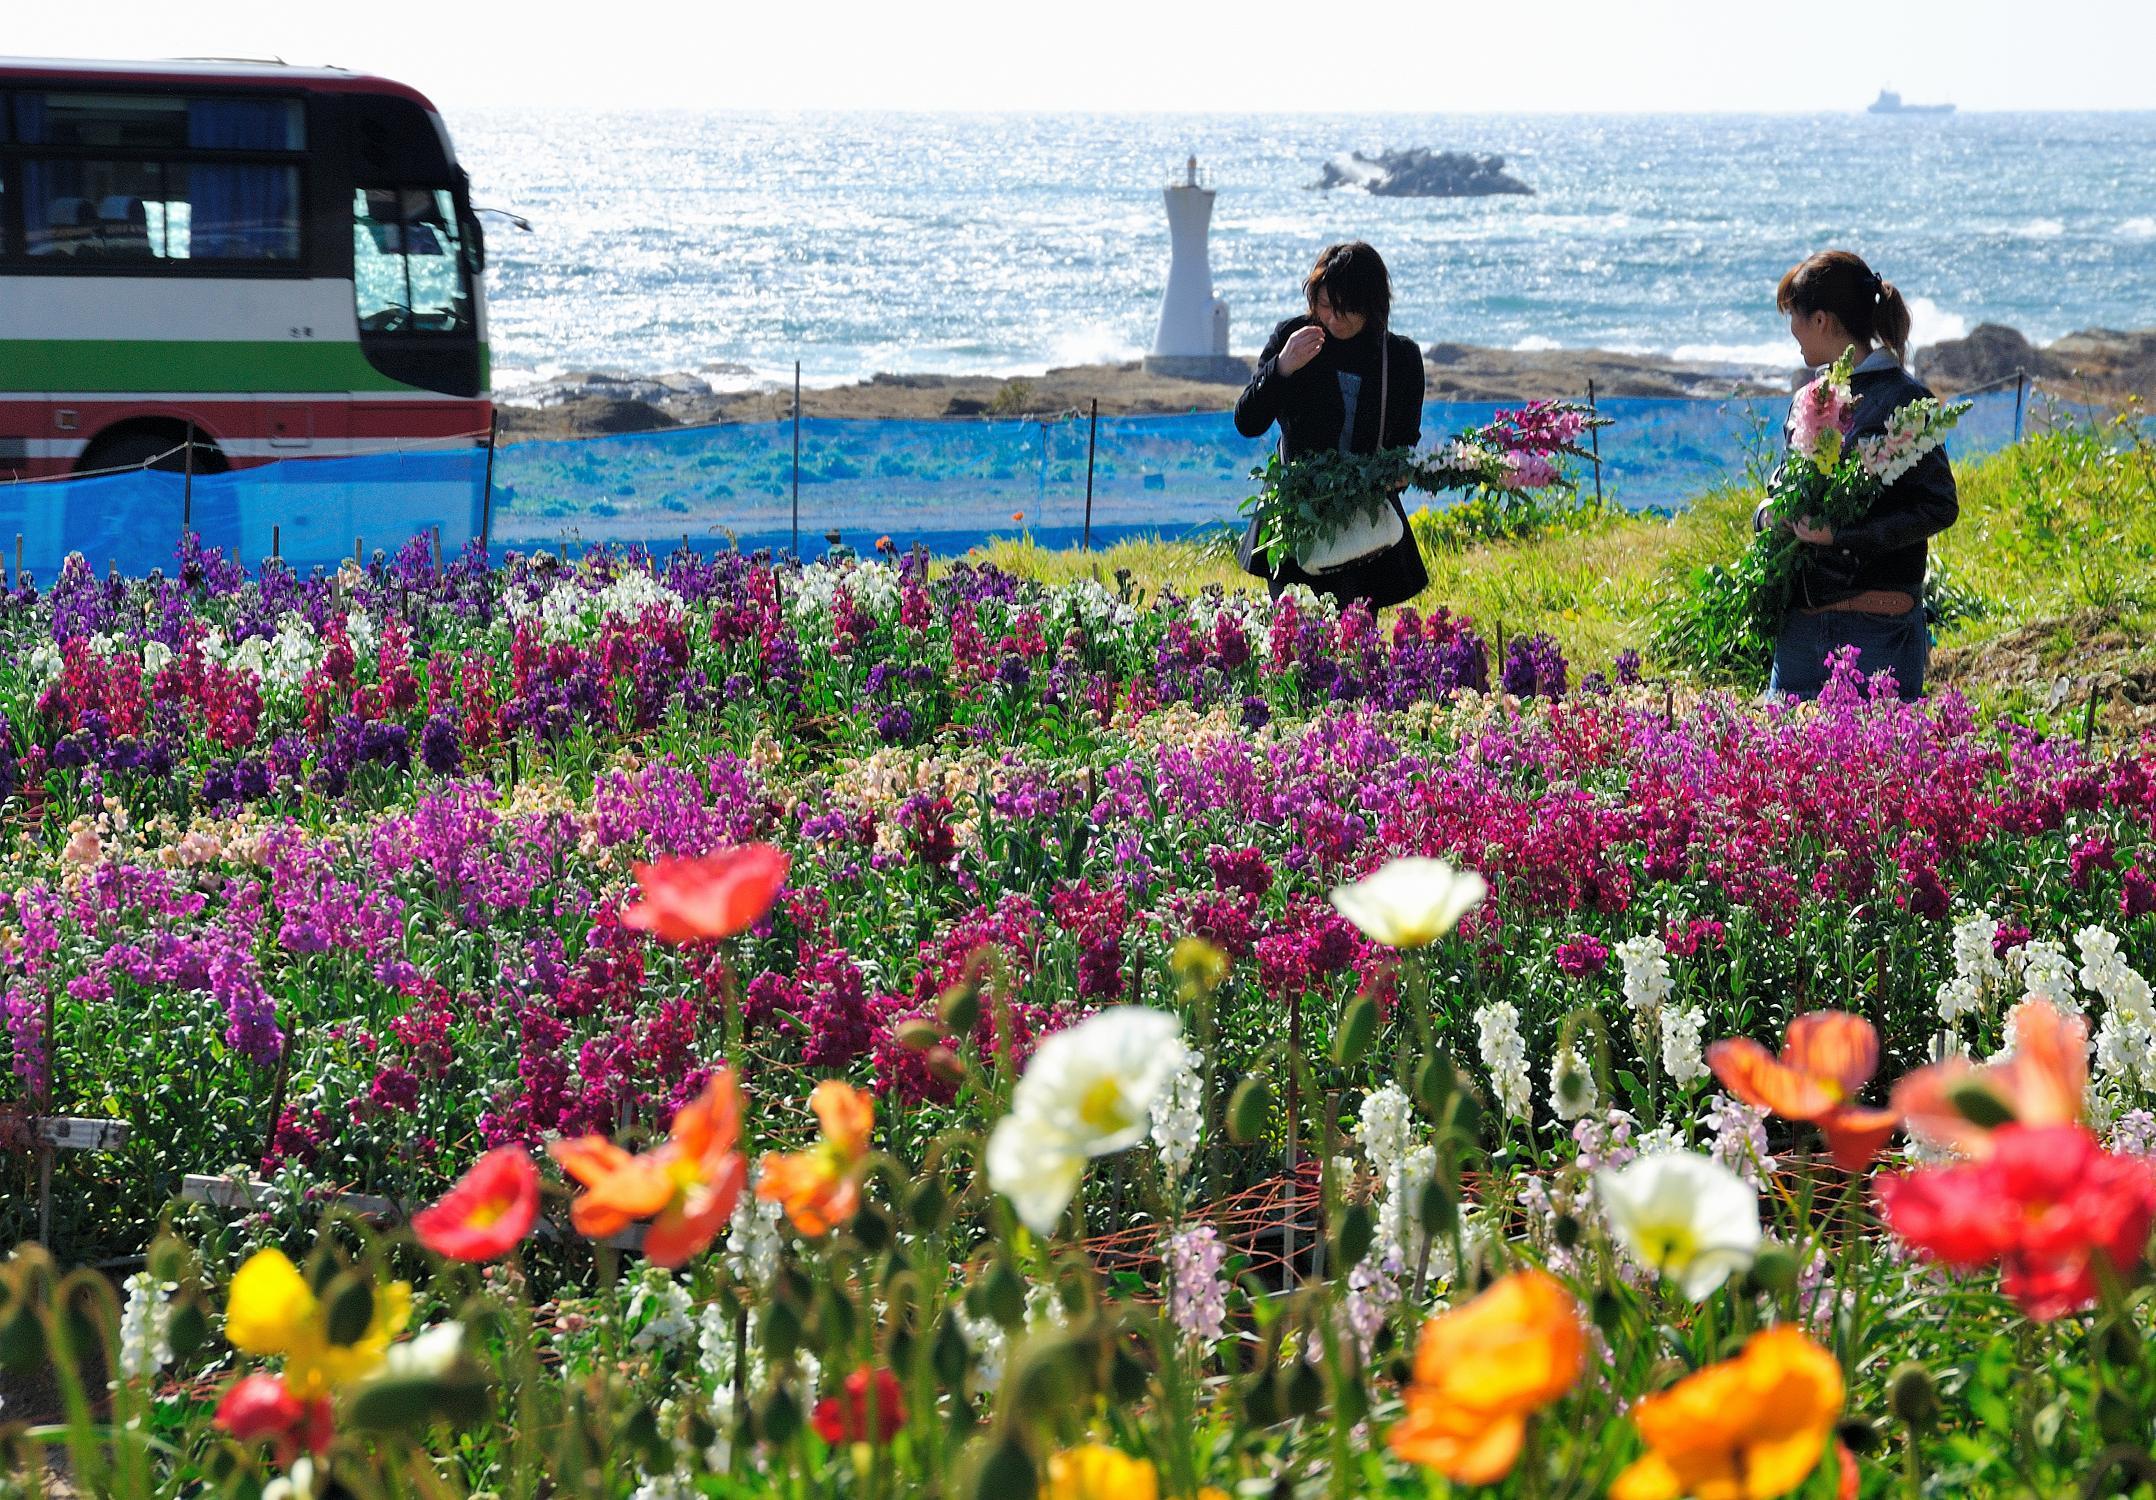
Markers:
<point>279,262</point>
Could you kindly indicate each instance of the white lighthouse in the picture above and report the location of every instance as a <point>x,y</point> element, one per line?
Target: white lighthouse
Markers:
<point>1192,340</point>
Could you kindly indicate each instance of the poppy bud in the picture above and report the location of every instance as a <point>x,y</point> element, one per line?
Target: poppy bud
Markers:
<point>960,1007</point>
<point>1858,1435</point>
<point>919,1034</point>
<point>1006,1471</point>
<point>351,1309</point>
<point>780,1417</point>
<point>1005,1295</point>
<point>1913,1395</point>
<point>1358,1027</point>
<point>1249,1108</point>
<point>1302,1389</point>
<point>1351,1242</point>
<point>1434,1084</point>
<point>944,1065</point>
<point>1774,1269</point>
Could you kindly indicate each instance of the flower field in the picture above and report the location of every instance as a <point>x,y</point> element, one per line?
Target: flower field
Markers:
<point>707,1027</point>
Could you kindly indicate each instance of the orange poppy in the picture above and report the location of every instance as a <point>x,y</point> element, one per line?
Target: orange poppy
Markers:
<point>713,896</point>
<point>1749,1428</point>
<point>817,1186</point>
<point>686,1187</point>
<point>1957,1103</point>
<point>1482,1369</point>
<point>1827,1057</point>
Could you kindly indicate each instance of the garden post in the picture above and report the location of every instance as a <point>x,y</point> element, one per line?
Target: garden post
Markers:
<point>797,459</point>
<point>1594,438</point>
<point>486,493</point>
<point>2021,399</point>
<point>1092,437</point>
<point>187,482</point>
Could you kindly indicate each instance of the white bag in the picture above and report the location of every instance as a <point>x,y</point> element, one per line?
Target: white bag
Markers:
<point>1359,540</point>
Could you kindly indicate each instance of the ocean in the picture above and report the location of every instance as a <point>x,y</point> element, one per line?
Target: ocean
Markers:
<point>735,244</point>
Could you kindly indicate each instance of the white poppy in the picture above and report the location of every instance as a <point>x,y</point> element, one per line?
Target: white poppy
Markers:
<point>429,1354</point>
<point>1409,903</point>
<point>1088,1091</point>
<point>1683,1215</point>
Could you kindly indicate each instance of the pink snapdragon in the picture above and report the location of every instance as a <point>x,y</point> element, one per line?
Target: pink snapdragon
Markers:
<point>1821,418</point>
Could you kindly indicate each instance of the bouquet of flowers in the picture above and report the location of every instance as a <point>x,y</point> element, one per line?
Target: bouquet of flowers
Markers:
<point>1305,505</point>
<point>1828,480</point>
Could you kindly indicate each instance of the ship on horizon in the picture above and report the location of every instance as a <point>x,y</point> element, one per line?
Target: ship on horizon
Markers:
<point>1889,103</point>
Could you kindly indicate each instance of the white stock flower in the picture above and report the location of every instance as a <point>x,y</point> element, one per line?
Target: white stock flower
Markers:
<point>1682,1057</point>
<point>674,1319</point>
<point>156,656</point>
<point>1386,1118</point>
<point>1497,1028</point>
<point>1088,1091</point>
<point>145,1326</point>
<point>1684,1216</point>
<point>1978,975</point>
<point>1410,903</point>
<point>1572,1085</point>
<point>1646,973</point>
<point>1179,1117</point>
<point>430,1354</point>
<point>752,1239</point>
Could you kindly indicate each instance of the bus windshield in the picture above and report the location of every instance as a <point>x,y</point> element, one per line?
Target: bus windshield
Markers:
<point>409,268</point>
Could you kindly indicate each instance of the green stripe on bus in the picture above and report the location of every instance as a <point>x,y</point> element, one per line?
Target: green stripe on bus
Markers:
<point>189,365</point>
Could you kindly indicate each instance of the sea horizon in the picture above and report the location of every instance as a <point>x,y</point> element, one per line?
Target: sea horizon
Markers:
<point>733,242</point>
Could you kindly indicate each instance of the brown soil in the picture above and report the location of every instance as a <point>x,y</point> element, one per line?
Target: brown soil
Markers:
<point>2056,667</point>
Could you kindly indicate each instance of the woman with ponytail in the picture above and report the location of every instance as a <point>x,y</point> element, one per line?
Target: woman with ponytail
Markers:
<point>1861,585</point>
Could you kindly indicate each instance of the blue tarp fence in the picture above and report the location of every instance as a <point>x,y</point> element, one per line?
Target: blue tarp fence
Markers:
<point>945,484</point>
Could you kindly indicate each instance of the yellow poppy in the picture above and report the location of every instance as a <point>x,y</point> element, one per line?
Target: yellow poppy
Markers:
<point>1099,1472</point>
<point>272,1311</point>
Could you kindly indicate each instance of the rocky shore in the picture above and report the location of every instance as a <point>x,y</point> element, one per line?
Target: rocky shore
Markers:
<point>2096,365</point>
<point>596,403</point>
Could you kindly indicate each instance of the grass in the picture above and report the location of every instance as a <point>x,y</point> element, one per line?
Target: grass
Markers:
<point>2055,532</point>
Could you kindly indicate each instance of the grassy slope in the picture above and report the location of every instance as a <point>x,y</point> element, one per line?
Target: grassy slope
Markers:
<point>2057,539</point>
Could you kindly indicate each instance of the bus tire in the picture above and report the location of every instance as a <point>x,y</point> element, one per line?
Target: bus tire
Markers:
<point>155,445</point>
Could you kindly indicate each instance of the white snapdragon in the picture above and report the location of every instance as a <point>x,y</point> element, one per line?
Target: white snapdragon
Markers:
<point>359,629</point>
<point>1505,1055</point>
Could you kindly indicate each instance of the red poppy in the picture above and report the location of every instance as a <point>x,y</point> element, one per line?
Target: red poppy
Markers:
<point>715,896</point>
<point>870,1408</point>
<point>488,1212</point>
<point>260,1407</point>
<point>2043,1207</point>
<point>1827,1057</point>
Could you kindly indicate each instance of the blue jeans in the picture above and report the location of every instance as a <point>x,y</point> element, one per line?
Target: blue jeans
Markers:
<point>1899,642</point>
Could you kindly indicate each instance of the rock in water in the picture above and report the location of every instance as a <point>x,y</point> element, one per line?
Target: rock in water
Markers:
<point>1422,173</point>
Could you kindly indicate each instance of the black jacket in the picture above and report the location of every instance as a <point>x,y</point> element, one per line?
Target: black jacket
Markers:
<point>1310,407</point>
<point>1887,549</point>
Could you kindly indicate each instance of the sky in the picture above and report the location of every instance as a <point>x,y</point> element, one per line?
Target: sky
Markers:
<point>1381,55</point>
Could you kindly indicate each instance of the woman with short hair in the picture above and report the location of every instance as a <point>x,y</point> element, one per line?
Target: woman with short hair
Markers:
<point>1322,378</point>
